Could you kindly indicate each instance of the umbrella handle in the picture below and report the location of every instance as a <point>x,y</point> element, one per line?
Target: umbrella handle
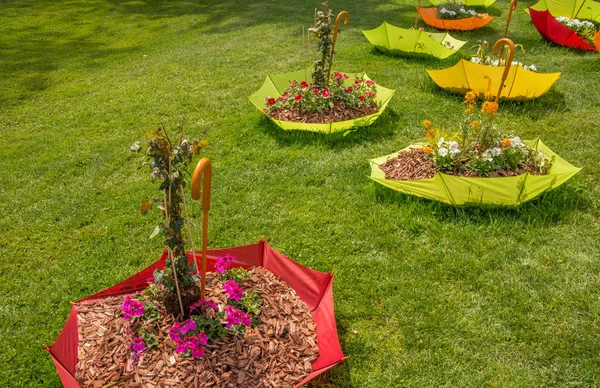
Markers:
<point>511,54</point>
<point>417,17</point>
<point>338,19</point>
<point>203,174</point>
<point>513,7</point>
<point>489,79</point>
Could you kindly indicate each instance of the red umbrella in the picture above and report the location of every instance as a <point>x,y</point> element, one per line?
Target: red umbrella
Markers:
<point>552,30</point>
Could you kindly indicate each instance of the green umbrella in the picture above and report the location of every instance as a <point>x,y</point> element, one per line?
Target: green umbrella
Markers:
<point>581,9</point>
<point>457,190</point>
<point>275,84</point>
<point>470,3</point>
<point>389,38</point>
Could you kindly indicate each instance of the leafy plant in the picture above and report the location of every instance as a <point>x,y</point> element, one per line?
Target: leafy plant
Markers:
<point>586,29</point>
<point>322,31</point>
<point>482,56</point>
<point>454,10</point>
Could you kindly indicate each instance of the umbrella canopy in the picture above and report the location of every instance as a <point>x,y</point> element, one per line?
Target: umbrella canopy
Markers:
<point>554,31</point>
<point>275,84</point>
<point>456,190</point>
<point>520,83</point>
<point>581,9</point>
<point>470,3</point>
<point>471,23</point>
<point>389,38</point>
<point>313,287</point>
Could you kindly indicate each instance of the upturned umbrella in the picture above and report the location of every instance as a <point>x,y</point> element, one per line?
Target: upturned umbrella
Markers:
<point>597,41</point>
<point>430,18</point>
<point>470,3</point>
<point>389,38</point>
<point>275,85</point>
<point>512,82</point>
<point>315,288</point>
<point>554,31</point>
<point>582,9</point>
<point>457,190</point>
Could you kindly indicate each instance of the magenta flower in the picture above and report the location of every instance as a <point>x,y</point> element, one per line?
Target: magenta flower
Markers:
<point>181,328</point>
<point>236,317</point>
<point>222,264</point>
<point>208,303</point>
<point>132,308</point>
<point>150,280</point>
<point>197,353</point>
<point>138,344</point>
<point>193,344</point>
<point>233,289</point>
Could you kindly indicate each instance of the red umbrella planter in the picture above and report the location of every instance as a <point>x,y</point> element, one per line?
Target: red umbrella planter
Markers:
<point>313,287</point>
<point>552,30</point>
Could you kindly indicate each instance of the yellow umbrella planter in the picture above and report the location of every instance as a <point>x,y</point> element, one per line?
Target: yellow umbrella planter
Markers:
<point>476,165</point>
<point>317,100</point>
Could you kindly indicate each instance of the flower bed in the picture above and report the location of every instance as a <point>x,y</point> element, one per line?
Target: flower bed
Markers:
<point>470,3</point>
<point>312,287</point>
<point>328,120</point>
<point>395,40</point>
<point>429,16</point>
<point>474,164</point>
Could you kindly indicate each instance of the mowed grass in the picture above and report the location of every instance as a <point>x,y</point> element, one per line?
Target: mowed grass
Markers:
<point>425,294</point>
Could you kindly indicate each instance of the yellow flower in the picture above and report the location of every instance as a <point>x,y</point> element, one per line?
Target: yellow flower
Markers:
<point>475,125</point>
<point>469,110</point>
<point>489,96</point>
<point>427,150</point>
<point>430,134</point>
<point>506,143</point>
<point>489,107</point>
<point>427,124</point>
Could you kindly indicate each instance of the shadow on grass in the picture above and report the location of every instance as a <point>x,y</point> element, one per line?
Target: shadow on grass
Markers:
<point>551,207</point>
<point>382,128</point>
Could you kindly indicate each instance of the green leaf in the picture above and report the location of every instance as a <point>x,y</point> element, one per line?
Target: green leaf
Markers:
<point>158,230</point>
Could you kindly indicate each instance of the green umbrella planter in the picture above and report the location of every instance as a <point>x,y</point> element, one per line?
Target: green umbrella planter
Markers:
<point>477,164</point>
<point>274,88</point>
<point>391,39</point>
<point>458,190</point>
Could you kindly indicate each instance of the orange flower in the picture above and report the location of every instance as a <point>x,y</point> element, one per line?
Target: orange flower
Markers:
<point>489,96</point>
<point>469,110</point>
<point>471,96</point>
<point>427,150</point>
<point>476,125</point>
<point>430,134</point>
<point>489,107</point>
<point>427,124</point>
<point>506,143</point>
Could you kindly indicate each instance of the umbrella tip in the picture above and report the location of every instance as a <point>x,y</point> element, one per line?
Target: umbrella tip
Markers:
<point>262,238</point>
<point>345,358</point>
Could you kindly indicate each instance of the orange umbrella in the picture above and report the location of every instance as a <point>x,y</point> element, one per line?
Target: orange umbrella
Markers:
<point>597,41</point>
<point>430,18</point>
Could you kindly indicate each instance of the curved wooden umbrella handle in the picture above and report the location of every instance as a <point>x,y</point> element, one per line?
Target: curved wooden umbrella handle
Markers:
<point>511,54</point>
<point>513,7</point>
<point>203,174</point>
<point>336,30</point>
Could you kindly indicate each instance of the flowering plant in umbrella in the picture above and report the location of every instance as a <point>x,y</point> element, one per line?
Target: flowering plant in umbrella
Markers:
<point>319,99</point>
<point>454,10</point>
<point>586,29</point>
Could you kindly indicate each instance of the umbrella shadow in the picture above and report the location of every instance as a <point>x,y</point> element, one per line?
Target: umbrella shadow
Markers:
<point>416,58</point>
<point>550,208</point>
<point>383,128</point>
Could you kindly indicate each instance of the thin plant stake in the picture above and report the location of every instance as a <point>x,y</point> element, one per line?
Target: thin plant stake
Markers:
<point>169,251</point>
<point>417,17</point>
<point>189,229</point>
<point>203,174</point>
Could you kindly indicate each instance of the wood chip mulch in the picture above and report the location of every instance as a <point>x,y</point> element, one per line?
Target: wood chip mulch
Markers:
<point>339,112</point>
<point>279,352</point>
<point>414,164</point>
<point>409,165</point>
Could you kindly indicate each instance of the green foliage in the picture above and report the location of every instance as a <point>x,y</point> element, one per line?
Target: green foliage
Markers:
<point>322,32</point>
<point>237,274</point>
<point>454,10</point>
<point>211,327</point>
<point>250,303</point>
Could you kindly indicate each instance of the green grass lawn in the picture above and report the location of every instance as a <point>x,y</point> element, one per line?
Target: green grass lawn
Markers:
<point>425,294</point>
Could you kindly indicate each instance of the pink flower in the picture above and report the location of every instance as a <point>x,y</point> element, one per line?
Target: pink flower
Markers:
<point>325,92</point>
<point>132,308</point>
<point>233,289</point>
<point>197,353</point>
<point>181,328</point>
<point>138,344</point>
<point>361,97</point>
<point>223,263</point>
<point>236,317</point>
<point>316,92</point>
<point>304,84</point>
<point>369,83</point>
<point>208,303</point>
<point>150,280</point>
<point>298,98</point>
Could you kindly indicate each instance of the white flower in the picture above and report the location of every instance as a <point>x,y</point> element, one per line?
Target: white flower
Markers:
<point>472,12</point>
<point>462,10</point>
<point>496,151</point>
<point>530,67</point>
<point>487,156</point>
<point>475,60</point>
<point>452,13</point>
<point>441,141</point>
<point>516,142</point>
<point>443,10</point>
<point>443,151</point>
<point>454,150</point>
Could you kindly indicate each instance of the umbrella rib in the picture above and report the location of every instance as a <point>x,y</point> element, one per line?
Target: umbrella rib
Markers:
<point>387,35</point>
<point>450,197</point>
<point>322,294</point>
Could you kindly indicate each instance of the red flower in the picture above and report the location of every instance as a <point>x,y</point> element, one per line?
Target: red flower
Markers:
<point>294,82</point>
<point>270,100</point>
<point>316,91</point>
<point>345,76</point>
<point>358,81</point>
<point>370,83</point>
<point>361,97</point>
<point>370,94</point>
<point>298,97</point>
<point>303,84</point>
<point>348,90</point>
<point>325,92</point>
